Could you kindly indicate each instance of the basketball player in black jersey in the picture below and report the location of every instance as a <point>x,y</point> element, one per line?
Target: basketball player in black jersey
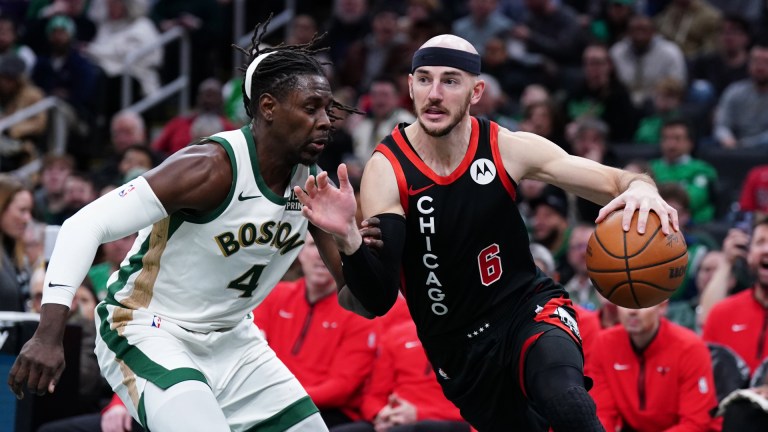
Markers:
<point>501,336</point>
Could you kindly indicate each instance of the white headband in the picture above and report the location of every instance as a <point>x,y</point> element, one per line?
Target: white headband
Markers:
<point>251,70</point>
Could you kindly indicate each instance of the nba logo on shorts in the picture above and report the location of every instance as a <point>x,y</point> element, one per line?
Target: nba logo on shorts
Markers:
<point>156,321</point>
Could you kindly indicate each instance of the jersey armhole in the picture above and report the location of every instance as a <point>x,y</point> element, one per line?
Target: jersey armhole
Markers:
<point>402,186</point>
<point>206,217</point>
<point>506,180</point>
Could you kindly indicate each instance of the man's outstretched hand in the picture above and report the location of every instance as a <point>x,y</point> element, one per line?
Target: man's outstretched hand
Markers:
<point>332,209</point>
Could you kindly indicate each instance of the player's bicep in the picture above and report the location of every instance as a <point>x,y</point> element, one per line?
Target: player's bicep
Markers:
<point>379,191</point>
<point>195,178</point>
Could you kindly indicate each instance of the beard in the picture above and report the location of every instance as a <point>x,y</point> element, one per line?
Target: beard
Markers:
<point>455,119</point>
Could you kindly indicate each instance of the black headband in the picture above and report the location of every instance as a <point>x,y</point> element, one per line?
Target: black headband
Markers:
<point>436,56</point>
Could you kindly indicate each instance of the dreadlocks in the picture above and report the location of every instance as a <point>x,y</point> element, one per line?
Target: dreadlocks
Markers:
<point>279,72</point>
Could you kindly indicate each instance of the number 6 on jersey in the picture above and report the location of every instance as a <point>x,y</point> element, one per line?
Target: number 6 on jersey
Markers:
<point>490,264</point>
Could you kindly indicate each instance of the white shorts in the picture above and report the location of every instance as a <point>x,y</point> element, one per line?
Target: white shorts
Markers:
<point>251,384</point>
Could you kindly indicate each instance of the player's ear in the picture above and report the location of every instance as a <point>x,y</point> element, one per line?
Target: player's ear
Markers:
<point>477,91</point>
<point>267,105</point>
<point>410,85</point>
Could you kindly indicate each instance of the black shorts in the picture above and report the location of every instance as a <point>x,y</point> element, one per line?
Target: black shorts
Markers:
<point>481,370</point>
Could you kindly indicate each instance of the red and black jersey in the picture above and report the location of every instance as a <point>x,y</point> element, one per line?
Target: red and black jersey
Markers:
<point>466,249</point>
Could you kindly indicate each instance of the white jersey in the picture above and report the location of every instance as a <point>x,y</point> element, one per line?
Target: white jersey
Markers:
<point>206,272</point>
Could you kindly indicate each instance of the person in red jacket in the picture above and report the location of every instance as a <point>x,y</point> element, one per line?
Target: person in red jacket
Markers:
<point>740,321</point>
<point>754,193</point>
<point>652,375</point>
<point>329,349</point>
<point>403,393</point>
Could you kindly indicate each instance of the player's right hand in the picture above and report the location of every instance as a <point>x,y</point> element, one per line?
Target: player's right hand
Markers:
<point>39,366</point>
<point>371,232</point>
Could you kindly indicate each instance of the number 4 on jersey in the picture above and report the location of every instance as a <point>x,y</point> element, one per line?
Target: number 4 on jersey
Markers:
<point>490,264</point>
<point>248,281</point>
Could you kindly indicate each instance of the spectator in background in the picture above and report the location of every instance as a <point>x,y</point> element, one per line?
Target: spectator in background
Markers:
<point>41,12</point>
<point>550,227</point>
<point>79,191</point>
<point>329,349</point>
<point>552,30</point>
<point>612,27</point>
<point>126,29</point>
<point>741,119</point>
<point>376,54</point>
<point>750,10</point>
<point>348,24</point>
<point>49,197</point>
<point>643,58</point>
<point>19,143</point>
<point>728,64</point>
<point>739,321</point>
<point>714,282</point>
<point>579,287</point>
<point>203,22</point>
<point>9,43</point>
<point>676,165</point>
<point>177,133</point>
<point>691,24</point>
<point>136,160</point>
<point>754,193</point>
<point>542,118</point>
<point>590,141</point>
<point>491,104</point>
<point>402,394</point>
<point>126,129</point>
<point>513,74</point>
<point>65,73</point>
<point>15,214</point>
<point>481,24</point>
<point>602,95</point>
<point>384,114</point>
<point>652,375</point>
<point>667,99</point>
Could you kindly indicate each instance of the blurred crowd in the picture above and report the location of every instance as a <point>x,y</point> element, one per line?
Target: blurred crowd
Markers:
<point>674,88</point>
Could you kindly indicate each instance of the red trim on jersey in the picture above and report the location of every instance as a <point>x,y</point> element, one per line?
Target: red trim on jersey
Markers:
<point>521,361</point>
<point>402,186</point>
<point>426,170</point>
<point>503,175</point>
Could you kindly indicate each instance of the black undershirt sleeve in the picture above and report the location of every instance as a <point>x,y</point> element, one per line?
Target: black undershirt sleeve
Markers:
<point>374,278</point>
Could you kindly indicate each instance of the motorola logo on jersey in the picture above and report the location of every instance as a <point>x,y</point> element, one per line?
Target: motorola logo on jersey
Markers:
<point>482,171</point>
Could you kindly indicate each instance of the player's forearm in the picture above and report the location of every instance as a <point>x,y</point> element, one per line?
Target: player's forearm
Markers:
<point>53,319</point>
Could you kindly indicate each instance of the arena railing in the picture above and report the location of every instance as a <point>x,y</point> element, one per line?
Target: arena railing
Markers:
<point>180,85</point>
<point>243,36</point>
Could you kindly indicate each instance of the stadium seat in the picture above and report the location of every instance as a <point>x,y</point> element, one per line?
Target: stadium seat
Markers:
<point>730,371</point>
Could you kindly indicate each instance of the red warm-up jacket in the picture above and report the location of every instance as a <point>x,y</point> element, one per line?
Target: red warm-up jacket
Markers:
<point>402,368</point>
<point>667,387</point>
<point>740,323</point>
<point>329,349</point>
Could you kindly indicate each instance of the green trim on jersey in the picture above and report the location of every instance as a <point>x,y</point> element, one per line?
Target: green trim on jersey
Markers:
<point>288,417</point>
<point>268,193</point>
<point>203,218</point>
<point>135,264</point>
<point>314,169</point>
<point>142,412</point>
<point>138,362</point>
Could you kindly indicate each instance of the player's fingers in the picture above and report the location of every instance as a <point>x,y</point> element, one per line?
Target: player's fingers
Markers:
<point>343,176</point>
<point>372,221</point>
<point>371,232</point>
<point>34,383</point>
<point>642,217</point>
<point>669,220</point>
<point>311,186</point>
<point>307,212</point>
<point>301,195</point>
<point>18,376</point>
<point>127,422</point>
<point>609,208</point>
<point>629,211</point>
<point>322,180</point>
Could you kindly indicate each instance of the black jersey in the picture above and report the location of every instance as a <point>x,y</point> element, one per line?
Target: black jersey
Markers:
<point>466,249</point>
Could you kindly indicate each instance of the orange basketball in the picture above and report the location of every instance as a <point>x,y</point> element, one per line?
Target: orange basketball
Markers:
<point>633,270</point>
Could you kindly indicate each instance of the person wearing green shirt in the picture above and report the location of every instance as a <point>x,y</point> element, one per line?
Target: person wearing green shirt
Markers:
<point>676,165</point>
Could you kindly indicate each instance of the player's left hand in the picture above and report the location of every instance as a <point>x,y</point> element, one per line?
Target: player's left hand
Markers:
<point>643,197</point>
<point>372,233</point>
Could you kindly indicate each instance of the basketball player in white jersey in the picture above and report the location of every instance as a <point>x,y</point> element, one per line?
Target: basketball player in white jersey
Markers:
<point>218,227</point>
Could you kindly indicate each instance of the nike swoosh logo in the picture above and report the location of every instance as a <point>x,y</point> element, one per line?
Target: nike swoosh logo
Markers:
<point>246,198</point>
<point>620,367</point>
<point>412,191</point>
<point>284,314</point>
<point>53,285</point>
<point>411,344</point>
<point>738,328</point>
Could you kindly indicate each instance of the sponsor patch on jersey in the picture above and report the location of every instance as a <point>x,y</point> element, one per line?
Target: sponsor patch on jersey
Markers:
<point>293,203</point>
<point>126,190</point>
<point>482,171</point>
